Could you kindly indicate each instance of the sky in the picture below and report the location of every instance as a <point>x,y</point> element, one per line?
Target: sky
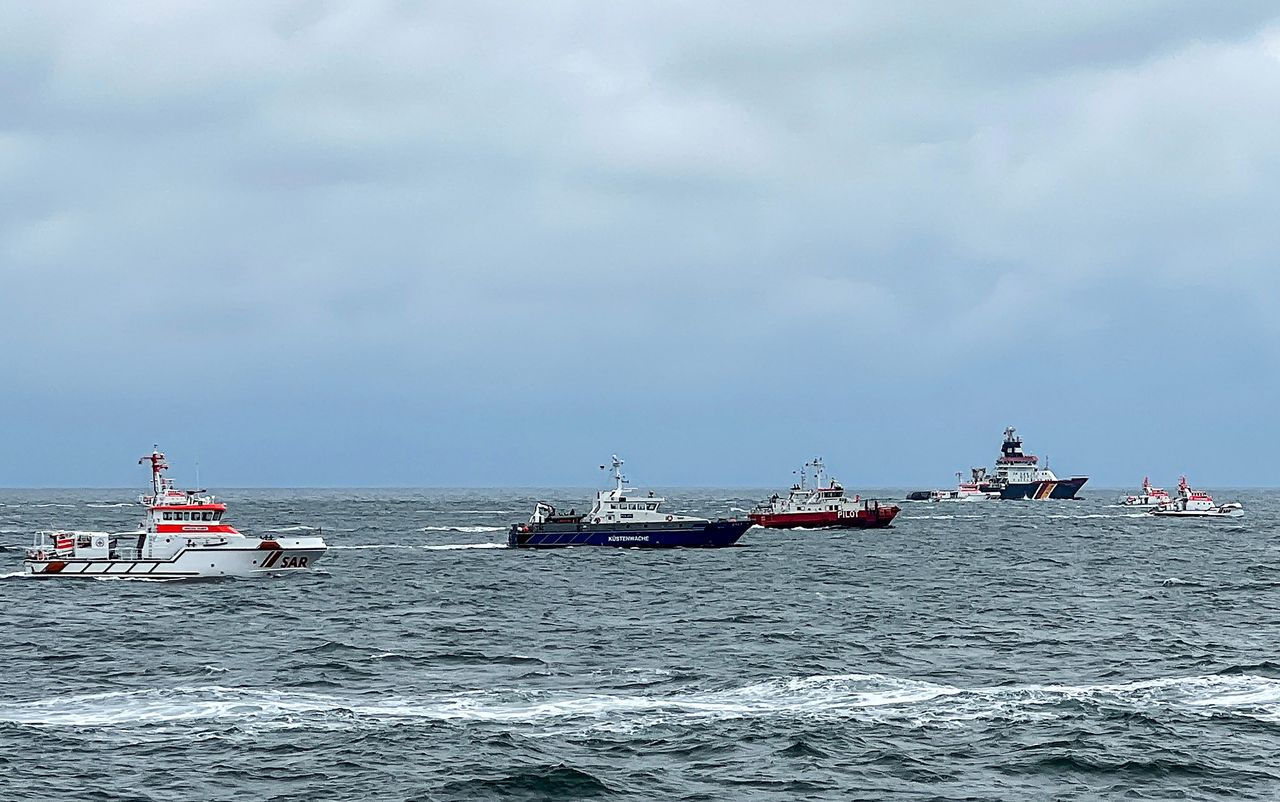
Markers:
<point>490,244</point>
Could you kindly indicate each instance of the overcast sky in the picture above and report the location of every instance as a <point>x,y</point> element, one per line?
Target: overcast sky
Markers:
<point>401,243</point>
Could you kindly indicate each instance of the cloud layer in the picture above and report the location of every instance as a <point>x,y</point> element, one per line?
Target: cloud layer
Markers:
<point>489,242</point>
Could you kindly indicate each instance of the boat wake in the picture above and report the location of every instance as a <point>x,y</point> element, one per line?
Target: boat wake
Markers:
<point>463,529</point>
<point>371,546</point>
<point>433,547</point>
<point>868,697</point>
<point>459,546</point>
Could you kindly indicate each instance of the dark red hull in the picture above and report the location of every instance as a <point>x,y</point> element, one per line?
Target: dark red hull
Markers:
<point>869,518</point>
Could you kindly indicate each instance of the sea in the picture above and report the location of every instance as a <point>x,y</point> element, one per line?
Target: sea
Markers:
<point>1050,650</point>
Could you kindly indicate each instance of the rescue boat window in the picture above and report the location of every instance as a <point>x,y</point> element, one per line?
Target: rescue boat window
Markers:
<point>208,516</point>
<point>166,516</point>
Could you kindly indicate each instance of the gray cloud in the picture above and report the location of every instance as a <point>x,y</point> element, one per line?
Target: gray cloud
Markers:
<point>380,200</point>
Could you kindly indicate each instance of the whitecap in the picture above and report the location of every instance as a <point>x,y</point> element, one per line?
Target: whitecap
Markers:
<point>463,529</point>
<point>365,546</point>
<point>458,546</point>
<point>870,697</point>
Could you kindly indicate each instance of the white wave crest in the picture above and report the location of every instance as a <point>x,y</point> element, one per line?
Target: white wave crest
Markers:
<point>1085,516</point>
<point>368,546</point>
<point>110,506</point>
<point>463,529</point>
<point>870,697</point>
<point>458,546</point>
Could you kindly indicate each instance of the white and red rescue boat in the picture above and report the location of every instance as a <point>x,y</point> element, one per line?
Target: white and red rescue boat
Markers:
<point>1196,504</point>
<point>182,537</point>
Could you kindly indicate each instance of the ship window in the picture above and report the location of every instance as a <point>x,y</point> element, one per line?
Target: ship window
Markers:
<point>166,516</point>
<point>208,516</point>
<point>217,516</point>
<point>653,506</point>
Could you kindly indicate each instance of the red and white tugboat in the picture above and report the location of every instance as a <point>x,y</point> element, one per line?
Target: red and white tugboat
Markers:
<point>1148,498</point>
<point>1196,504</point>
<point>183,536</point>
<point>825,505</point>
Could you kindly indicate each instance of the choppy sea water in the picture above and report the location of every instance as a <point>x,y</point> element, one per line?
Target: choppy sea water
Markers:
<point>1015,650</point>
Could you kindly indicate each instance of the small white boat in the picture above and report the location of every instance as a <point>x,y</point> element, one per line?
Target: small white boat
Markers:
<point>973,490</point>
<point>183,536</point>
<point>1149,497</point>
<point>1196,504</point>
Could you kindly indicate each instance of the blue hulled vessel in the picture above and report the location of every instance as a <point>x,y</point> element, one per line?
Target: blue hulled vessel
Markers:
<point>624,517</point>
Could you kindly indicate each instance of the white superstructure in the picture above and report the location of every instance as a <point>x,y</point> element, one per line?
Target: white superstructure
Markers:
<point>620,505</point>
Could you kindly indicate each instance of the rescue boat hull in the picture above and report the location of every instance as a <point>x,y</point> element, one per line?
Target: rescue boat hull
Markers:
<point>697,534</point>
<point>1220,512</point>
<point>269,558</point>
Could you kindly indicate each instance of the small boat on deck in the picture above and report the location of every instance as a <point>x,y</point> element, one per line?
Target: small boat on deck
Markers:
<point>623,517</point>
<point>1191,503</point>
<point>183,536</point>
<point>823,505</point>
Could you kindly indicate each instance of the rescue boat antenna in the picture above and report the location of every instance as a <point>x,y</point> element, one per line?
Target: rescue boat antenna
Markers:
<point>157,466</point>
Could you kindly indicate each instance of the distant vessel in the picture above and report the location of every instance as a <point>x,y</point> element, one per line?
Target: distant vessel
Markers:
<point>183,536</point>
<point>973,490</point>
<point>824,505</point>
<point>1018,477</point>
<point>1196,504</point>
<point>623,517</point>
<point>1149,497</point>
